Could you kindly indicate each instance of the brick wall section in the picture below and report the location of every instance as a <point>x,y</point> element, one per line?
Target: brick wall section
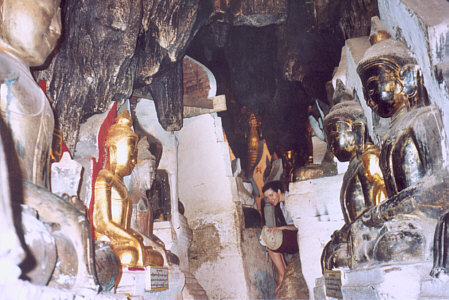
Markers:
<point>195,79</point>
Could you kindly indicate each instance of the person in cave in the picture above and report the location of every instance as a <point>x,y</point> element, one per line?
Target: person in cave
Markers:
<point>281,238</point>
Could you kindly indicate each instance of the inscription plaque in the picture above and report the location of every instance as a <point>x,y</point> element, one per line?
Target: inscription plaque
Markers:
<point>158,278</point>
<point>332,281</point>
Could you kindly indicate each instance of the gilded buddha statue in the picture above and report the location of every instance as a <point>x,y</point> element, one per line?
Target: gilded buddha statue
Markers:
<point>344,128</point>
<point>113,206</point>
<point>412,160</point>
<point>29,31</point>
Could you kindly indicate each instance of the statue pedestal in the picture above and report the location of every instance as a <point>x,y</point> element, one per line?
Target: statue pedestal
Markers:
<point>316,212</point>
<point>398,281</point>
<point>152,282</point>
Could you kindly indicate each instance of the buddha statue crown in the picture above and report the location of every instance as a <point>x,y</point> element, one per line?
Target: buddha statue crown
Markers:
<point>347,110</point>
<point>121,129</point>
<point>378,31</point>
<point>390,63</point>
<point>341,92</point>
<point>144,152</point>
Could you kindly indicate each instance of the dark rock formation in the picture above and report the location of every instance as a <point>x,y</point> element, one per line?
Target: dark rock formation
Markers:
<point>94,62</point>
<point>112,49</point>
<point>110,46</point>
<point>168,29</point>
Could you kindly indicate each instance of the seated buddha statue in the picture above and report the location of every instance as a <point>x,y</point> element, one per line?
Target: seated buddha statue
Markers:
<point>344,128</point>
<point>141,181</point>
<point>29,31</point>
<point>412,160</point>
<point>113,206</point>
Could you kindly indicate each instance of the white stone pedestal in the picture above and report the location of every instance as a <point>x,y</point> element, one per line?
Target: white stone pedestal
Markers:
<point>315,208</point>
<point>397,281</point>
<point>137,283</point>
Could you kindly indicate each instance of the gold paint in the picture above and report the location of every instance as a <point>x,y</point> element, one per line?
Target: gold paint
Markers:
<point>379,36</point>
<point>389,86</point>
<point>253,143</point>
<point>113,207</point>
<point>371,168</point>
<point>56,147</point>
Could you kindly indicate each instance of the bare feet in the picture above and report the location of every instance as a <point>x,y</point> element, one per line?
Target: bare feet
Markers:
<point>276,290</point>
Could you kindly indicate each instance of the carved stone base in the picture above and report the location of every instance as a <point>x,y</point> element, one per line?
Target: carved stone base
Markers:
<point>399,281</point>
<point>137,282</point>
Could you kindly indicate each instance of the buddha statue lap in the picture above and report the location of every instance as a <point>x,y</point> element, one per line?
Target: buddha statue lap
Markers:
<point>344,128</point>
<point>113,206</point>
<point>29,31</point>
<point>411,160</point>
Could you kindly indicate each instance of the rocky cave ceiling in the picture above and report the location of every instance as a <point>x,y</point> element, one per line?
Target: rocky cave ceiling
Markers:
<point>270,57</point>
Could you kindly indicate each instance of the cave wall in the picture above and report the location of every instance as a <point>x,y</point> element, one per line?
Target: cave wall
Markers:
<point>271,56</point>
<point>110,48</point>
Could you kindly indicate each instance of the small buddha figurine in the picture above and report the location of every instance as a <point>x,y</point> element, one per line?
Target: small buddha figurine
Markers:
<point>113,206</point>
<point>29,31</point>
<point>412,159</point>
<point>344,128</point>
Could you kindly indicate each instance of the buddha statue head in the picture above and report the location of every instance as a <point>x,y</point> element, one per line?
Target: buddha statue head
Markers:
<point>144,172</point>
<point>121,142</point>
<point>29,29</point>
<point>390,77</point>
<point>344,128</point>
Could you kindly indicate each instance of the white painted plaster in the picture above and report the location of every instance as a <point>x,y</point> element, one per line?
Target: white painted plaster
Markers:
<point>315,207</point>
<point>340,73</point>
<point>204,168</point>
<point>224,276</point>
<point>319,149</point>
<point>209,194</point>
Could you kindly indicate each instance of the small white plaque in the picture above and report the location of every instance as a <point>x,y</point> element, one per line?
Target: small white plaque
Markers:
<point>158,278</point>
<point>332,281</point>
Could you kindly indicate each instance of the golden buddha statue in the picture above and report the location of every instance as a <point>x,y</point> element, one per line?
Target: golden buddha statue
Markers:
<point>29,31</point>
<point>412,160</point>
<point>345,132</point>
<point>253,143</point>
<point>344,128</point>
<point>113,207</point>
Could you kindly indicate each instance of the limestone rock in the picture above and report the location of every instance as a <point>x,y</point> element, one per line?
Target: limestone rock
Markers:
<point>294,286</point>
<point>93,65</point>
<point>167,32</point>
<point>259,12</point>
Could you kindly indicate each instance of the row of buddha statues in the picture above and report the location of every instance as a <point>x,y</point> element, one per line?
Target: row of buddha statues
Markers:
<point>76,249</point>
<point>393,195</point>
